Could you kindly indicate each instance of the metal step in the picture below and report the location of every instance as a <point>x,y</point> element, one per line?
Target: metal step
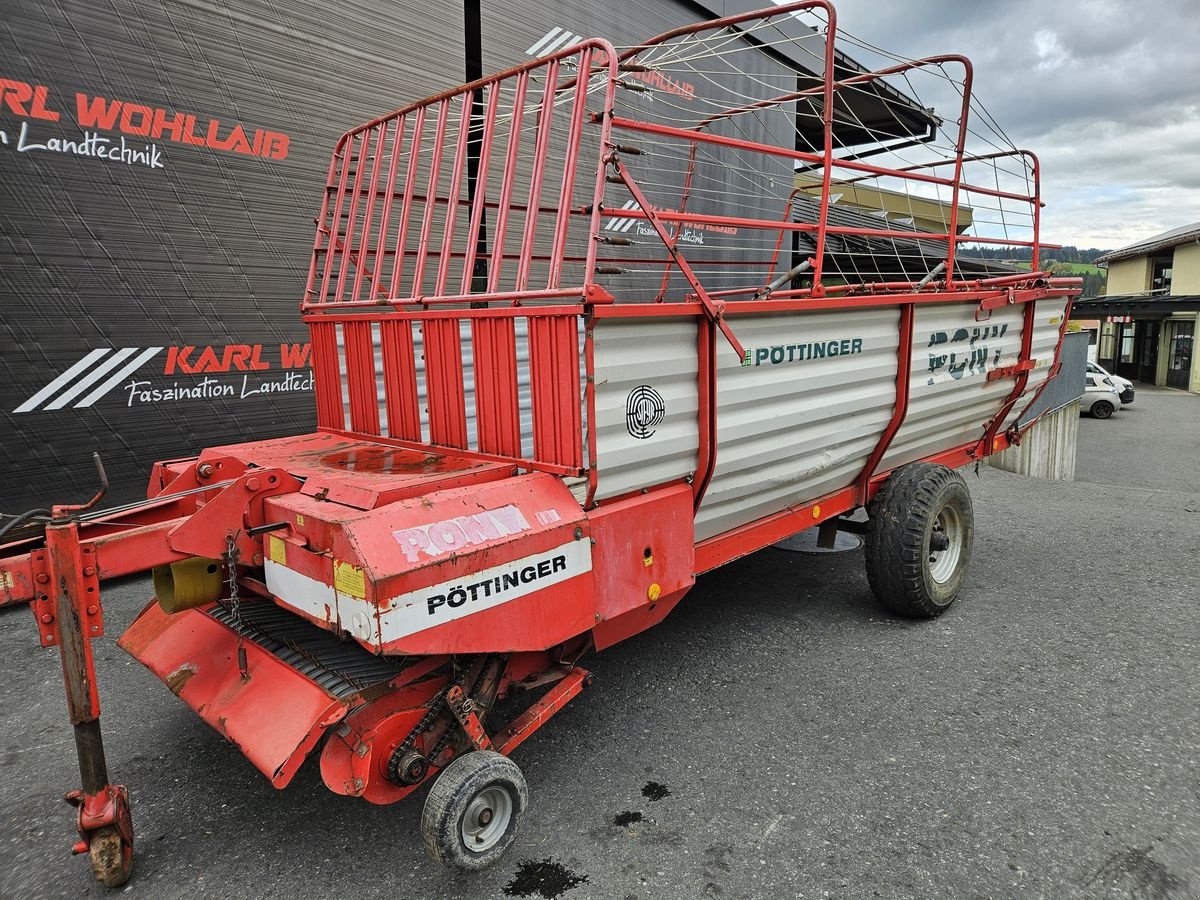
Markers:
<point>343,668</point>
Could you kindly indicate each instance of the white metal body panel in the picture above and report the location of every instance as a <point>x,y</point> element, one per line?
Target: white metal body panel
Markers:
<point>950,399</point>
<point>792,428</point>
<point>1047,330</point>
<point>661,354</point>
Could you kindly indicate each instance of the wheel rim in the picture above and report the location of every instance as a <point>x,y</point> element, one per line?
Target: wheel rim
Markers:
<point>944,563</point>
<point>486,819</point>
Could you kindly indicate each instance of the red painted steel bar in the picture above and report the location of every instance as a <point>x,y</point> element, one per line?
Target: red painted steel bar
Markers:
<point>1025,361</point>
<point>508,183</point>
<point>604,141</point>
<point>369,214</point>
<point>589,357</point>
<point>542,145</point>
<point>321,234</point>
<point>706,382</point>
<point>714,310</point>
<point>381,252</point>
<point>562,221</point>
<point>335,223</point>
<point>959,148</point>
<point>818,267</point>
<point>475,224</point>
<point>560,294</point>
<point>460,165</point>
<point>351,216</point>
<point>410,181</point>
<point>435,167</point>
<point>904,355</point>
<point>1054,367</point>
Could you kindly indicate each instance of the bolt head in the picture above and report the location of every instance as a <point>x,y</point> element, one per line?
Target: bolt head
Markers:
<point>42,578</point>
<point>47,618</point>
<point>93,609</point>
<point>253,484</point>
<point>89,571</point>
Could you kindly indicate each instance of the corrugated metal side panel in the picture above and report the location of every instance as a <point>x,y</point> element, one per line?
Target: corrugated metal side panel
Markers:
<point>950,398</point>
<point>660,354</point>
<point>794,431</point>
<point>1047,320</point>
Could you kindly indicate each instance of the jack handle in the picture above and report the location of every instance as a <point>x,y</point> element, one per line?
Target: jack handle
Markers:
<point>66,511</point>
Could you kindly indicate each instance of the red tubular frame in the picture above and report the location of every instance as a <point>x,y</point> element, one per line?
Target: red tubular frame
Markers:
<point>560,409</point>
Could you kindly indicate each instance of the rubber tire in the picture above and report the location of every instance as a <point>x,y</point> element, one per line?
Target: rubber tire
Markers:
<point>1102,409</point>
<point>902,516</point>
<point>451,794</point>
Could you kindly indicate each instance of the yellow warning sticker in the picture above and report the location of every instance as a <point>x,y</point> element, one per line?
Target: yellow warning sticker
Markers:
<point>349,579</point>
<point>6,579</point>
<point>299,520</point>
<point>278,550</point>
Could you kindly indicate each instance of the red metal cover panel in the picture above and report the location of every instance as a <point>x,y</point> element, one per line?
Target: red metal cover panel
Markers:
<point>326,375</point>
<point>444,383</point>
<point>497,567</point>
<point>362,473</point>
<point>275,716</point>
<point>554,378</point>
<point>496,408</point>
<point>400,380</point>
<point>643,556</point>
<point>360,376</point>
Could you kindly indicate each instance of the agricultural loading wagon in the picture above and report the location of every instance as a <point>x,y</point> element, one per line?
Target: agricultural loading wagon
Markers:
<point>581,331</point>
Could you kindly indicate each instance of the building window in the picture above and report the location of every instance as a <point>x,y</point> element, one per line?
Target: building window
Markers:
<point>1160,273</point>
<point>1105,350</point>
<point>1127,344</point>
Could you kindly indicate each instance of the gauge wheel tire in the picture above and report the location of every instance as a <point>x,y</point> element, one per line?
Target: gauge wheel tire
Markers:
<point>1102,409</point>
<point>473,811</point>
<point>918,545</point>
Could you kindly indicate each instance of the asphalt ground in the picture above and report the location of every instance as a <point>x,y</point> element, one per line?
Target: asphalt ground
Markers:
<point>1041,740</point>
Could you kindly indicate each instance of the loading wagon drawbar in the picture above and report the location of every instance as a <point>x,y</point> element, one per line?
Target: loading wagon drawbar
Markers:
<point>581,331</point>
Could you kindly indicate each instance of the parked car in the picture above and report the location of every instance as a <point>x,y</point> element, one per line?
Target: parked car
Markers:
<point>1101,398</point>
<point>1123,385</point>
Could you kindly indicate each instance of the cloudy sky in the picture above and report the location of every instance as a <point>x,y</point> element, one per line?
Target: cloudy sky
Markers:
<point>1107,93</point>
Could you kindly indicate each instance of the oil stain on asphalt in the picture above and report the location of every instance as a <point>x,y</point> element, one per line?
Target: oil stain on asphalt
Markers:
<point>654,791</point>
<point>1140,873</point>
<point>547,879</point>
<point>627,818</point>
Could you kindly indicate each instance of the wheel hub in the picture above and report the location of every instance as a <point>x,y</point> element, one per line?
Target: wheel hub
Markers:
<point>486,819</point>
<point>945,545</point>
